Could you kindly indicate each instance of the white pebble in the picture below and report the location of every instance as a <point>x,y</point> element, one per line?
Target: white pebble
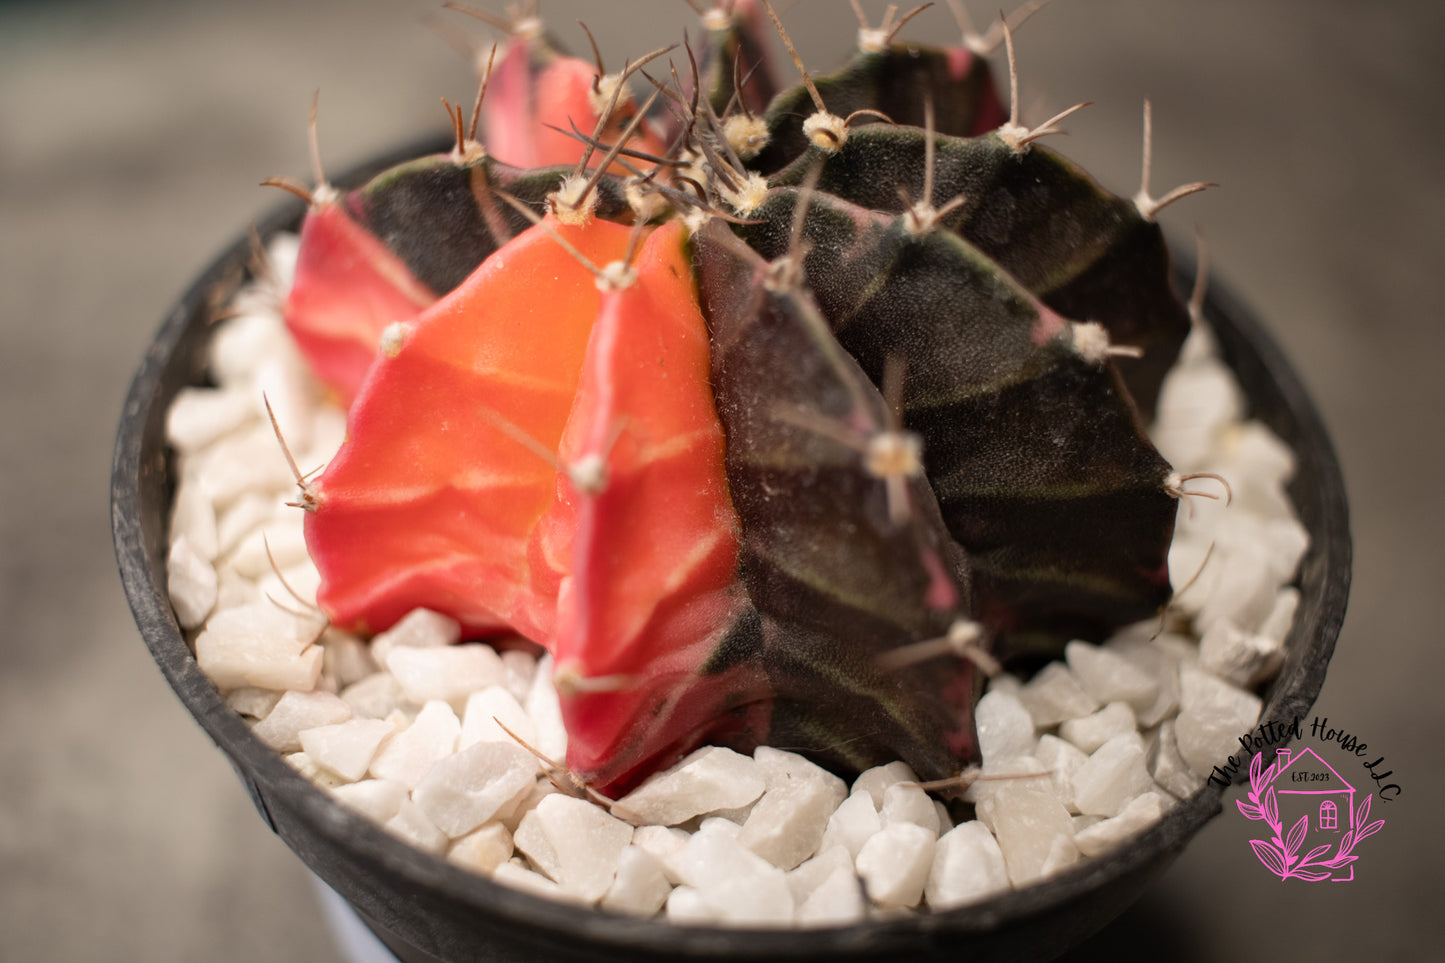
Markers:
<point>546,712</point>
<point>1243,590</point>
<point>409,755</point>
<point>687,907</point>
<point>193,517</point>
<point>1236,656</point>
<point>968,866</point>
<point>376,696</point>
<point>664,843</point>
<point>1109,677</point>
<point>199,416</point>
<point>1212,716</point>
<point>482,850</point>
<point>346,748</point>
<point>1113,775</point>
<point>1161,662</point>
<point>1141,813</point>
<point>641,886</point>
<point>852,824</point>
<point>192,583</point>
<point>462,791</point>
<point>521,668</point>
<point>787,824</point>
<point>1277,623</point>
<point>519,877</point>
<point>1021,770</point>
<point>707,780</point>
<point>736,884</point>
<point>487,712</point>
<point>812,873</point>
<point>904,803</point>
<point>448,674</point>
<point>259,645</point>
<point>252,702</point>
<point>876,781</point>
<point>1168,767</point>
<point>1091,732</point>
<point>295,711</point>
<point>836,901</point>
<point>583,844</point>
<point>1033,829</point>
<point>1062,759</point>
<point>894,864</point>
<point>412,824</point>
<point>346,659</point>
<point>418,629</point>
<point>1054,695</point>
<point>1005,728</point>
<point>379,799</point>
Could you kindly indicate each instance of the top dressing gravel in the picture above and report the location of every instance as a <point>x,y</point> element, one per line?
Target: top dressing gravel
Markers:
<point>446,744</point>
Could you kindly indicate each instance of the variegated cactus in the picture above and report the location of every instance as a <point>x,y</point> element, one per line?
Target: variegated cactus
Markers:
<point>776,416</point>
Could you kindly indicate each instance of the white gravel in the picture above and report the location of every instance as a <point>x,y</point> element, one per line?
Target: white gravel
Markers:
<point>1079,759</point>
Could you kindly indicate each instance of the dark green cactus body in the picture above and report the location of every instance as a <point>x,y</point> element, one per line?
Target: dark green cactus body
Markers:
<point>1086,253</point>
<point>1041,468</point>
<point>441,217</point>
<point>895,82</point>
<point>839,576</point>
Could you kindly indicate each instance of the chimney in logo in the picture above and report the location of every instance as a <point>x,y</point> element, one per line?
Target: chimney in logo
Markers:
<point>1282,758</point>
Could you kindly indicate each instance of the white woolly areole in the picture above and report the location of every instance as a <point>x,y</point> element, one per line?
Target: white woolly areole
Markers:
<point>588,475</point>
<point>646,203</point>
<point>716,19</point>
<point>324,194</point>
<point>564,205</point>
<point>617,276</point>
<point>895,454</point>
<point>528,28</point>
<point>828,132</point>
<point>749,197</point>
<point>1090,340</point>
<point>746,135</point>
<point>601,96</point>
<point>393,338</point>
<point>695,219</point>
<point>873,40</point>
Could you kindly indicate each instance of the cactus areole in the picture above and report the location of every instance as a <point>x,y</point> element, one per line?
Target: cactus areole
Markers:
<point>775,416</point>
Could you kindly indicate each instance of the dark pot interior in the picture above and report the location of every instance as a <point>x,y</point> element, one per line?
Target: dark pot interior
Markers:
<point>425,908</point>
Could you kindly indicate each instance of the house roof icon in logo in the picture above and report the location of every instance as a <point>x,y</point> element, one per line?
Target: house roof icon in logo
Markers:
<point>1308,787</point>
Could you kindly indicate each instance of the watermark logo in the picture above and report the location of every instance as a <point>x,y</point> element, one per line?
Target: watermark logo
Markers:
<point>1327,818</point>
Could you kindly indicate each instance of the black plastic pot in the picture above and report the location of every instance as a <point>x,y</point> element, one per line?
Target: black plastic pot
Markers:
<point>425,908</point>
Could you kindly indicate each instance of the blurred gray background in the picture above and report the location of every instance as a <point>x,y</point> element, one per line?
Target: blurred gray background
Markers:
<point>132,138</point>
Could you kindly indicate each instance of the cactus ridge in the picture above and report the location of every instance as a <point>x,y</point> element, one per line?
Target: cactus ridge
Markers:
<point>840,413</point>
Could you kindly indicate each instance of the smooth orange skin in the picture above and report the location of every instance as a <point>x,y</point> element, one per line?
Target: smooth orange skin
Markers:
<point>348,289</point>
<point>653,584</point>
<point>431,501</point>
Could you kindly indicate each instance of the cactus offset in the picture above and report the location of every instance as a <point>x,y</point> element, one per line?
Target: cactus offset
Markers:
<point>777,440</point>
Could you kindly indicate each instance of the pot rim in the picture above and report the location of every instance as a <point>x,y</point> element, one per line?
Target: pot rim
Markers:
<point>141,465</point>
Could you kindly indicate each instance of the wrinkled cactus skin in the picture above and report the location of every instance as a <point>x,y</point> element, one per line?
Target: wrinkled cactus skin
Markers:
<point>755,487</point>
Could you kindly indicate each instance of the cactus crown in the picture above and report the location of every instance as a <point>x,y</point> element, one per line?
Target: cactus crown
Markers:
<point>775,414</point>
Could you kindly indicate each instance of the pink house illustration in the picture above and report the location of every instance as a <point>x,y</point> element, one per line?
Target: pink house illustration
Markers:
<point>1305,785</point>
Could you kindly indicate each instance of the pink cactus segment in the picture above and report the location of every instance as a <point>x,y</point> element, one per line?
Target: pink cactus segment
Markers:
<point>348,289</point>
<point>654,577</point>
<point>435,495</point>
<point>991,113</point>
<point>534,98</point>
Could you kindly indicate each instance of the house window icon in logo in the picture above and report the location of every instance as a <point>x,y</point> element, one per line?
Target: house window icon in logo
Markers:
<point>1328,815</point>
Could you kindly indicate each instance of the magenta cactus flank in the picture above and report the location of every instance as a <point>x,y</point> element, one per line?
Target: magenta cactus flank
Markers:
<point>778,415</point>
